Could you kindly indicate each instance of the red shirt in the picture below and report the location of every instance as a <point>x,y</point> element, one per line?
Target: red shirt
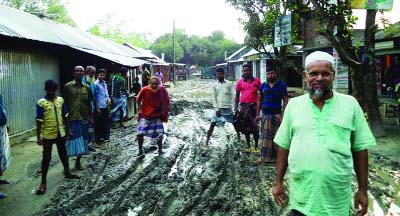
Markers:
<point>248,90</point>
<point>154,103</point>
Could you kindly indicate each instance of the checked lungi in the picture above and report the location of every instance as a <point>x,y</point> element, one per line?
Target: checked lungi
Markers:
<point>270,125</point>
<point>152,128</point>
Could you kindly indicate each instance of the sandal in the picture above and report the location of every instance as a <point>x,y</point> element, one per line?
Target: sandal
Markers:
<point>41,189</point>
<point>247,150</point>
<point>256,151</point>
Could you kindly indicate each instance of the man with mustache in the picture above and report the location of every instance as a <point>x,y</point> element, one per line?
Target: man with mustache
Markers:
<point>247,97</point>
<point>78,96</point>
<point>272,102</point>
<point>321,136</point>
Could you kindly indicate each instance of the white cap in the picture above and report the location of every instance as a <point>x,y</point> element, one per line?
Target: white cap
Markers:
<point>318,56</point>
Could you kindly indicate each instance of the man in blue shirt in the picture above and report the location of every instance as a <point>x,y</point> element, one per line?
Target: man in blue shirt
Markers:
<point>273,97</point>
<point>101,116</point>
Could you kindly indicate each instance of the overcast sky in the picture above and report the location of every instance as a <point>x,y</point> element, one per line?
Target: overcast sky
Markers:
<point>155,17</point>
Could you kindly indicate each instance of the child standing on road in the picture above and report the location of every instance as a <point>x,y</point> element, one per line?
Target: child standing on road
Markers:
<point>50,117</point>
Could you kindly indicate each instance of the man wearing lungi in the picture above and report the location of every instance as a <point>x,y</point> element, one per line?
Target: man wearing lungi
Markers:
<point>153,102</point>
<point>247,93</point>
<point>119,97</point>
<point>77,98</point>
<point>273,96</point>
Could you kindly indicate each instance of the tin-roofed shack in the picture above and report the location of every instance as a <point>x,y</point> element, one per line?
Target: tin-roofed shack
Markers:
<point>33,50</point>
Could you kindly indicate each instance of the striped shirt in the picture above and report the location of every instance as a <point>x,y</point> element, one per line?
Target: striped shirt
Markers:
<point>118,86</point>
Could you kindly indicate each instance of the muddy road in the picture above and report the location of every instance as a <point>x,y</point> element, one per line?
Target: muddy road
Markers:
<point>189,179</point>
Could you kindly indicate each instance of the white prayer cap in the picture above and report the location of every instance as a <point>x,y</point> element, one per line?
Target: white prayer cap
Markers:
<point>318,56</point>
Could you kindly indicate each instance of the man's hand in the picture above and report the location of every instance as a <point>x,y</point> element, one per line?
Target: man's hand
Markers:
<point>279,194</point>
<point>257,119</point>
<point>361,198</point>
<point>39,140</point>
<point>280,118</point>
<point>98,111</point>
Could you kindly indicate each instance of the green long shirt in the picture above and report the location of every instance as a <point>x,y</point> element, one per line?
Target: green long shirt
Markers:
<point>320,145</point>
<point>77,98</point>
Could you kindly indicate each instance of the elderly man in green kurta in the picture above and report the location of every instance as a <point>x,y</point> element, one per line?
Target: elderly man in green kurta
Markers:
<point>323,134</point>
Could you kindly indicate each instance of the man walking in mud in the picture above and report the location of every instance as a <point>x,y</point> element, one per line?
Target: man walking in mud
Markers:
<point>153,104</point>
<point>77,98</point>
<point>273,97</point>
<point>223,95</point>
<point>247,93</point>
<point>321,136</point>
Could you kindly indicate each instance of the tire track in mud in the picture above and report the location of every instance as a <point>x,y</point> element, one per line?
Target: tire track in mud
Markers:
<point>132,176</point>
<point>189,179</point>
<point>94,191</point>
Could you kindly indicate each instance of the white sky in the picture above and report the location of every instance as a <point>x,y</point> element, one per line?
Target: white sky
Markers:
<point>155,17</point>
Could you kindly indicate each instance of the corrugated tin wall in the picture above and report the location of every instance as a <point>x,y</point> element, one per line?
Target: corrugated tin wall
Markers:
<point>22,77</point>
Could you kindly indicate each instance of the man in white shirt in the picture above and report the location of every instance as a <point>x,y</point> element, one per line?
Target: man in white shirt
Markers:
<point>223,95</point>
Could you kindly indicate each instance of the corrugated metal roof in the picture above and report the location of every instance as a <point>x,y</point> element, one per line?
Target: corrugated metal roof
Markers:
<point>155,60</point>
<point>255,52</point>
<point>222,64</point>
<point>123,60</point>
<point>250,53</point>
<point>235,53</point>
<point>146,53</point>
<point>239,60</point>
<point>16,23</point>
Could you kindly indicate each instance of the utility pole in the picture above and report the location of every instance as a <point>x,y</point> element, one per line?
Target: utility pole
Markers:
<point>173,50</point>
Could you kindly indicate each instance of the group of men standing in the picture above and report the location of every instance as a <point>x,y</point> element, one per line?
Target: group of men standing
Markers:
<point>319,137</point>
<point>83,115</point>
<point>252,97</point>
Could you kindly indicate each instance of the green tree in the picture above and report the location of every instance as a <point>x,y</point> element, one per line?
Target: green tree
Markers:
<point>335,23</point>
<point>108,29</point>
<point>163,44</point>
<point>195,50</point>
<point>51,9</point>
<point>259,26</point>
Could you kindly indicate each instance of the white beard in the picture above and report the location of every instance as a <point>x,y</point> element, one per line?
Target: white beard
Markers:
<point>317,94</point>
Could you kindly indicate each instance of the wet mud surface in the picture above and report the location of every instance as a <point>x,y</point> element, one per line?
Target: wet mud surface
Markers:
<point>190,178</point>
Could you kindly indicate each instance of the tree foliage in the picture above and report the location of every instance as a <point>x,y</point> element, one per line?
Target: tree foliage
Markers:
<point>335,21</point>
<point>51,9</point>
<point>259,25</point>
<point>260,22</point>
<point>108,29</point>
<point>194,50</point>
